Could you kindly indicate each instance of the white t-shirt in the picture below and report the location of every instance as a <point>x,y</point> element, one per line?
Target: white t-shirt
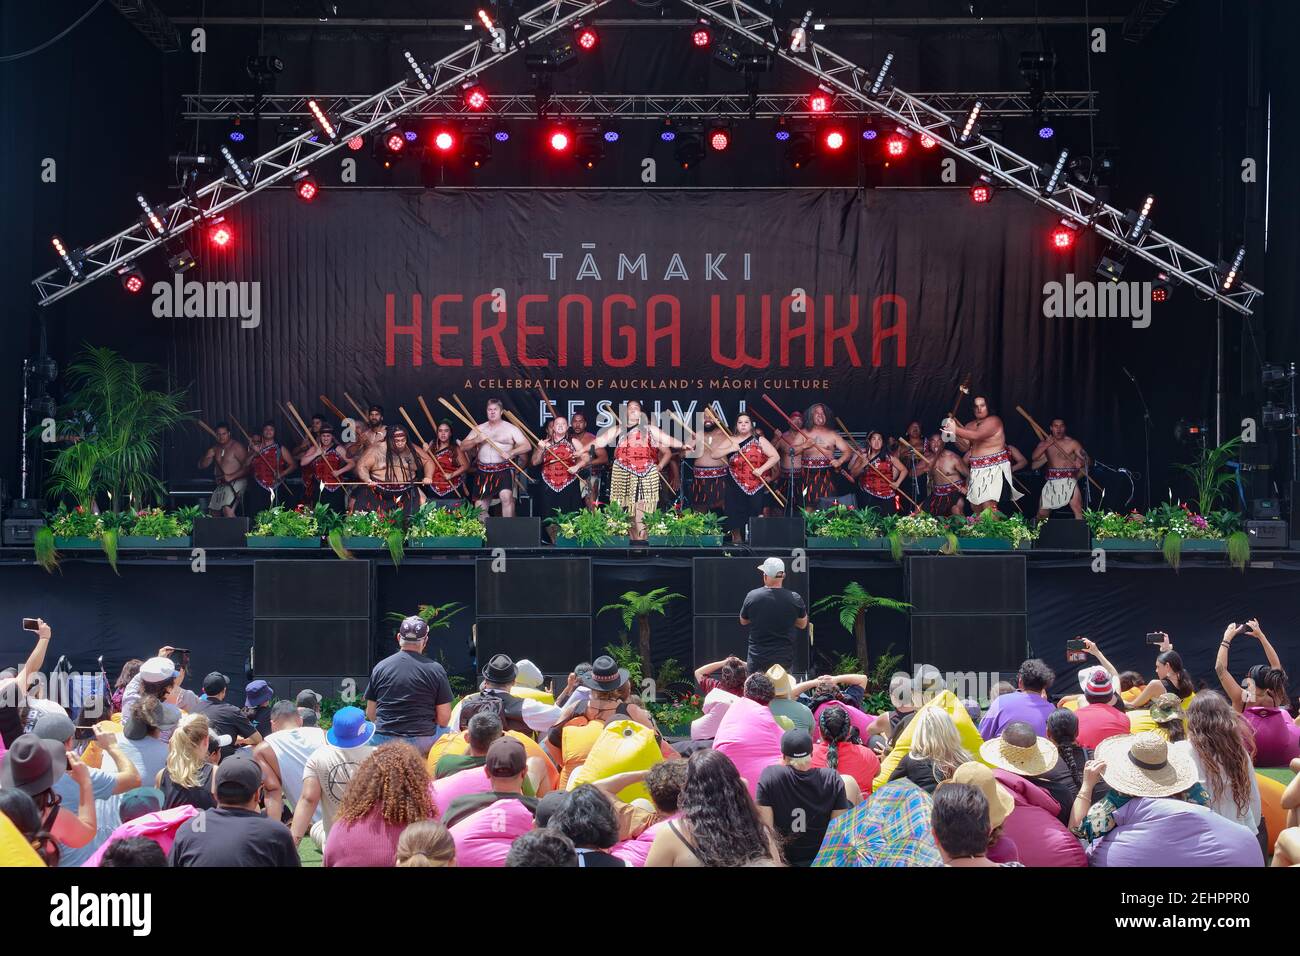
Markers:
<point>1222,803</point>
<point>293,748</point>
<point>333,767</point>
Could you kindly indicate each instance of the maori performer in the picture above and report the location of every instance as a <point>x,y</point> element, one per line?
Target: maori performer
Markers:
<point>750,458</point>
<point>495,473</point>
<point>990,462</point>
<point>269,464</point>
<point>449,465</point>
<point>557,454</point>
<point>879,477</point>
<point>914,459</point>
<point>641,449</point>
<point>947,473</point>
<point>594,479</point>
<point>709,482</point>
<point>791,477</point>
<point>228,459</point>
<point>371,433</point>
<point>817,447</point>
<point>392,472</point>
<point>1066,462</point>
<point>322,469</point>
<point>317,423</point>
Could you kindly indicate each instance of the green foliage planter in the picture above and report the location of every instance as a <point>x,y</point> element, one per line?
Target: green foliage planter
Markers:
<point>281,527</point>
<point>926,544</point>
<point>623,542</point>
<point>1125,544</point>
<point>683,529</point>
<point>1205,544</point>
<point>434,527</point>
<point>686,541</point>
<point>74,543</point>
<point>364,542</point>
<point>280,541</point>
<point>606,527</point>
<point>994,544</point>
<point>448,542</point>
<point>144,541</point>
<point>862,544</point>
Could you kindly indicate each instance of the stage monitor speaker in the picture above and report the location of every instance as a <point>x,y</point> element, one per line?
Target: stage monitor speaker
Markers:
<point>719,585</point>
<point>717,637</point>
<point>220,532</point>
<point>514,532</point>
<point>783,533</point>
<point>1265,509</point>
<point>1268,534</point>
<point>26,508</point>
<point>554,644</point>
<point>972,584</point>
<point>21,532</point>
<point>533,586</point>
<point>1064,534</point>
<point>311,589</point>
<point>305,646</point>
<point>977,642</point>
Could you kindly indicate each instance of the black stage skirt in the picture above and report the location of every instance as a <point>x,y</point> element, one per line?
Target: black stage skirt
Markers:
<point>741,507</point>
<point>547,499</point>
<point>378,499</point>
<point>490,484</point>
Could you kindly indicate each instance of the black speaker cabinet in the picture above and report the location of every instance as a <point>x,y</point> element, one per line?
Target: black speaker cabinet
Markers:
<point>311,589</point>
<point>220,532</point>
<point>514,532</point>
<point>1268,534</point>
<point>717,636</point>
<point>978,642</point>
<point>305,646</point>
<point>1064,534</point>
<point>554,644</point>
<point>969,584</point>
<point>719,585</point>
<point>531,587</point>
<point>781,533</point>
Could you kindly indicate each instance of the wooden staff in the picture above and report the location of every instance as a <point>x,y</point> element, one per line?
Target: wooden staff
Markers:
<point>434,454</point>
<point>415,431</point>
<point>709,412</point>
<point>550,405</point>
<point>420,438</point>
<point>280,406</point>
<point>962,391</point>
<point>1042,436</point>
<point>354,404</point>
<point>470,424</point>
<point>338,412</point>
<point>302,425</point>
<point>518,423</point>
<point>205,426</point>
<point>941,474</point>
<point>279,481</point>
<point>867,458</point>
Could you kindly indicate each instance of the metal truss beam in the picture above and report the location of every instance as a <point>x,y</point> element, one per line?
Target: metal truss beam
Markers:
<point>1005,167</point>
<point>280,163</point>
<point>632,106</point>
<point>152,22</point>
<point>1145,17</point>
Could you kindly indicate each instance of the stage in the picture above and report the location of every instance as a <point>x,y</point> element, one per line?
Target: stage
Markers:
<point>317,620</point>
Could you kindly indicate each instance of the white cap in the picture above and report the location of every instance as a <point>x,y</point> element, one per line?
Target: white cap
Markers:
<point>773,567</point>
<point>528,674</point>
<point>157,669</point>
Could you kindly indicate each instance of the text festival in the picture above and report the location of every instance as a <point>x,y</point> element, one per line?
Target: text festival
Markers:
<point>791,329</point>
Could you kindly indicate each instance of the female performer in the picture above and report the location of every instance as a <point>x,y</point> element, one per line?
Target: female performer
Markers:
<point>559,490</point>
<point>751,458</point>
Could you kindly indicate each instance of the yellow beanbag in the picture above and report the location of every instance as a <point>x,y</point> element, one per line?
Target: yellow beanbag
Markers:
<point>947,702</point>
<point>623,746</point>
<point>14,850</point>
<point>576,743</point>
<point>1270,797</point>
<point>451,745</point>
<point>533,693</point>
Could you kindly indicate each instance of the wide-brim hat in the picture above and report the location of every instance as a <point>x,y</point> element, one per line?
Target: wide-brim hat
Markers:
<point>605,674</point>
<point>1144,765</point>
<point>781,680</point>
<point>33,765</point>
<point>1001,802</point>
<point>500,670</point>
<point>1028,761</point>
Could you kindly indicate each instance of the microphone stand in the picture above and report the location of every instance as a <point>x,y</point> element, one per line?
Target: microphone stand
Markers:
<point>1146,435</point>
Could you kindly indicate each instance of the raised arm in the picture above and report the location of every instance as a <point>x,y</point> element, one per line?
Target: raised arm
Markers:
<point>36,659</point>
<point>1226,680</point>
<point>1254,630</point>
<point>707,669</point>
<point>1038,457</point>
<point>1091,648</point>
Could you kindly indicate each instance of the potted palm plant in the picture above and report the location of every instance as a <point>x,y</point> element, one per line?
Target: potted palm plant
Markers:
<point>435,615</point>
<point>852,605</point>
<point>635,606</point>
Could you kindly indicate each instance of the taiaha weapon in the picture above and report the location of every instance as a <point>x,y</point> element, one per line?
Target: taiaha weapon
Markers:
<point>420,438</point>
<point>291,421</point>
<point>550,405</point>
<point>935,466</point>
<point>518,423</point>
<point>316,444</point>
<point>338,412</point>
<point>279,480</point>
<point>1043,436</point>
<point>205,426</point>
<point>469,423</point>
<point>962,391</point>
<point>434,454</point>
<point>867,458</point>
<point>353,402</point>
<point>731,438</point>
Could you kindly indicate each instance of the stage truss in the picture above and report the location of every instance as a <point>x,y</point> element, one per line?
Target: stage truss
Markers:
<point>834,73</point>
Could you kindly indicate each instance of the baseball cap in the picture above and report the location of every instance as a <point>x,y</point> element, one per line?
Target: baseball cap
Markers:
<point>215,683</point>
<point>157,669</point>
<point>506,758</point>
<point>1096,680</point>
<point>773,567</point>
<point>217,741</point>
<point>530,675</point>
<point>796,744</point>
<point>257,693</point>
<point>412,630</point>
<point>53,726</point>
<point>138,802</point>
<point>238,779</point>
<point>308,698</point>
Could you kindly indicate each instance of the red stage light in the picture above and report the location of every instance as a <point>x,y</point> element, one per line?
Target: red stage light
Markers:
<point>588,38</point>
<point>395,142</point>
<point>720,139</point>
<point>928,142</point>
<point>444,140</point>
<point>834,139</point>
<point>356,143</point>
<point>476,98</point>
<point>559,141</point>
<point>1062,238</point>
<point>221,236</point>
<point>307,189</point>
<point>701,37</point>
<point>133,281</point>
<point>819,103</point>
<point>981,193</point>
<point>896,145</point>
<point>1159,293</point>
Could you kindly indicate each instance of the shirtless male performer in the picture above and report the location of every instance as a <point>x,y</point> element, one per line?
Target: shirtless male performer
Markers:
<point>449,464</point>
<point>1066,462</point>
<point>947,473</point>
<point>393,472</point>
<point>495,474</point>
<point>913,459</point>
<point>817,447</point>
<point>708,487</point>
<point>583,438</point>
<point>229,461</point>
<point>990,463</point>
<point>790,480</point>
<point>370,433</point>
<point>324,471</point>
<point>878,486</point>
<point>269,463</point>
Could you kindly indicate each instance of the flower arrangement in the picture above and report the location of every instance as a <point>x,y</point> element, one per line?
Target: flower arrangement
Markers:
<point>678,523</point>
<point>843,522</point>
<point>1171,524</point>
<point>78,522</point>
<point>1109,524</point>
<point>677,715</point>
<point>434,522</point>
<point>106,527</point>
<point>593,528</point>
<point>993,524</point>
<point>160,524</point>
<point>281,522</point>
<point>385,525</point>
<point>903,528</point>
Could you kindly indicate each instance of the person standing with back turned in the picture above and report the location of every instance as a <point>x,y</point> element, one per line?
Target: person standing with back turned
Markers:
<point>772,614</point>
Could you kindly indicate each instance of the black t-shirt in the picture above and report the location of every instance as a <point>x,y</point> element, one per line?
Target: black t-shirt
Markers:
<point>174,795</point>
<point>225,718</point>
<point>233,837</point>
<point>919,771</point>
<point>771,613</point>
<point>802,802</point>
<point>408,688</point>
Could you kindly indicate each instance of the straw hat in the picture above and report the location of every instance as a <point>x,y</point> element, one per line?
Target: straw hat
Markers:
<point>1144,765</point>
<point>781,680</point>
<point>1020,753</point>
<point>1001,803</point>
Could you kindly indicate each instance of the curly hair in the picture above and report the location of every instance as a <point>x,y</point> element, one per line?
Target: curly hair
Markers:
<point>760,689</point>
<point>393,779</point>
<point>1224,744</point>
<point>725,826</point>
<point>731,676</point>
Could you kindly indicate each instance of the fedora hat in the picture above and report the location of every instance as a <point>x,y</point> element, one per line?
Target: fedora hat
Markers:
<point>1020,754</point>
<point>781,680</point>
<point>1144,765</point>
<point>33,765</point>
<point>605,674</point>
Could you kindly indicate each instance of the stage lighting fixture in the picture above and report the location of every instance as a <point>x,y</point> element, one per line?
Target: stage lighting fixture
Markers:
<point>971,127</point>
<point>928,141</point>
<point>1273,376</point>
<point>1054,176</point>
<point>477,148</point>
<point>559,140</point>
<point>485,18</point>
<point>668,135</point>
<point>238,168</point>
<point>702,34</point>
<point>72,260</point>
<point>981,191</point>
<point>236,132</point>
<point>501,134</point>
<point>420,76</point>
<point>719,139</point>
<point>610,135</point>
<point>689,148</point>
<point>1139,222</point>
<point>561,55</point>
<point>800,150</point>
<point>150,218</point>
<point>819,102</point>
<point>1043,125</point>
<point>322,120</point>
<point>262,68</point>
<point>394,141</point>
<point>476,97</point>
<point>181,261</point>
<point>895,145</point>
<point>220,235</point>
<point>356,143</point>
<point>305,186</point>
<point>444,139</point>
<point>1111,264</point>
<point>1229,273</point>
<point>586,36</point>
<point>1062,237</point>
<point>132,279</point>
<point>1162,288</point>
<point>834,139</point>
<point>1035,63</point>
<point>882,77</point>
<point>1189,430</point>
<point>1273,415</point>
<point>590,147</point>
<point>869,131</point>
<point>782,135</point>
